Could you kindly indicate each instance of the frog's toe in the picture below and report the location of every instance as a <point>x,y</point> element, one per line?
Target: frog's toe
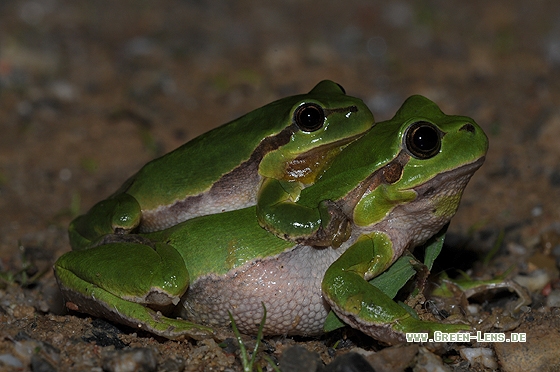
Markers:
<point>176,329</point>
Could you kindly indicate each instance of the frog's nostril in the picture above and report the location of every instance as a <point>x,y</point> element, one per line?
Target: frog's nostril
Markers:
<point>468,127</point>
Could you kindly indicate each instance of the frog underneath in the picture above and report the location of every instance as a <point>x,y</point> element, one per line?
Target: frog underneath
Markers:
<point>397,185</point>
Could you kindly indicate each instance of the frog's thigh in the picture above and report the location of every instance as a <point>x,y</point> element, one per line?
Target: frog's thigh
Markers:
<point>117,280</point>
<point>132,271</point>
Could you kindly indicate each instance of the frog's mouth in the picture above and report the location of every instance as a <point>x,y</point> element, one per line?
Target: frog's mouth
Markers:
<point>450,182</point>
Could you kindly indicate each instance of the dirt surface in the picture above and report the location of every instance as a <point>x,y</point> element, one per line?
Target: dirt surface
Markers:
<point>90,91</point>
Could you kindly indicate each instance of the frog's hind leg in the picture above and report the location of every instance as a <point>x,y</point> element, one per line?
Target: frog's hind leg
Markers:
<point>126,282</point>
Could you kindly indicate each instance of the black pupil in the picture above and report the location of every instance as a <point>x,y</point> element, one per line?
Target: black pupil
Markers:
<point>425,138</point>
<point>310,118</point>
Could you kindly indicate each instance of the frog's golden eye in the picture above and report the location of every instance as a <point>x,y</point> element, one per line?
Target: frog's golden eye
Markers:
<point>309,117</point>
<point>422,140</point>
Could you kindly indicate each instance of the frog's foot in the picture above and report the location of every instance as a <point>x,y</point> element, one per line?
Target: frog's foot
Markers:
<point>95,301</point>
<point>335,227</point>
<point>510,285</point>
<point>393,328</point>
<point>120,214</point>
<point>452,292</point>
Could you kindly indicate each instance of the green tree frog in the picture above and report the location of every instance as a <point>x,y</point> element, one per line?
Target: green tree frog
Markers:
<point>276,151</point>
<point>398,185</point>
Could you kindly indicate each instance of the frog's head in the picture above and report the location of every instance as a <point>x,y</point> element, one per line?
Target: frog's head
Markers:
<point>321,122</point>
<point>425,162</point>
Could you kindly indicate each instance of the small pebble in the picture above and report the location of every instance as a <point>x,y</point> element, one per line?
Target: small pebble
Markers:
<point>516,249</point>
<point>537,211</point>
<point>64,90</point>
<point>297,358</point>
<point>138,359</point>
<point>10,361</point>
<point>553,299</point>
<point>481,355</point>
<point>349,362</point>
<point>535,281</point>
<point>428,361</point>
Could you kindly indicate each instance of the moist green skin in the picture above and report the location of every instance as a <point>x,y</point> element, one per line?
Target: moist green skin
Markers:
<point>392,198</point>
<point>260,152</point>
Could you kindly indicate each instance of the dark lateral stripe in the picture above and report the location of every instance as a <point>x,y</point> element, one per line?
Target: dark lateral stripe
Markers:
<point>243,180</point>
<point>341,109</point>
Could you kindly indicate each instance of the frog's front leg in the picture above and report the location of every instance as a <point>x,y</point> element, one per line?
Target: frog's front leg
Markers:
<point>128,282</point>
<point>120,214</point>
<point>278,212</point>
<point>364,306</point>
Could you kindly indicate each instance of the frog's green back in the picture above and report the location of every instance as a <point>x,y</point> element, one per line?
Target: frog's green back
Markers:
<point>196,161</point>
<point>215,244</point>
<point>194,167</point>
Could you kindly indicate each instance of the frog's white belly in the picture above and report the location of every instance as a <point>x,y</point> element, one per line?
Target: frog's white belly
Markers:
<point>289,285</point>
